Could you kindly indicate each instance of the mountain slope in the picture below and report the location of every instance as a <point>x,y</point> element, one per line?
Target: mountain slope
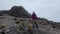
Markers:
<point>17,11</point>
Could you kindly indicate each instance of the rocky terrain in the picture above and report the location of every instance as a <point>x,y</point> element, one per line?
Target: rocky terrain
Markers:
<point>11,22</point>
<point>13,26</point>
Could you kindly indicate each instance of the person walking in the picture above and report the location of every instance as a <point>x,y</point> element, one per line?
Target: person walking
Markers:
<point>30,30</point>
<point>34,18</point>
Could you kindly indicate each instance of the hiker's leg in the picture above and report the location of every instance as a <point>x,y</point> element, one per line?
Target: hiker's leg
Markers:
<point>33,23</point>
<point>33,26</point>
<point>36,25</point>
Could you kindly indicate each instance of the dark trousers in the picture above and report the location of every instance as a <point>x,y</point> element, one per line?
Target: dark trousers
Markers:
<point>35,25</point>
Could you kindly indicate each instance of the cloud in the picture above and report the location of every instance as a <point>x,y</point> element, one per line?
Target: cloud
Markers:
<point>49,9</point>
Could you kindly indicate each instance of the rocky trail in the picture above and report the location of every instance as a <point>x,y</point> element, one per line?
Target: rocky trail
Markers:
<point>9,25</point>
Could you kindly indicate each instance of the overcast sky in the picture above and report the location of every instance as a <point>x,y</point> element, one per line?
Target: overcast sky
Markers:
<point>49,9</point>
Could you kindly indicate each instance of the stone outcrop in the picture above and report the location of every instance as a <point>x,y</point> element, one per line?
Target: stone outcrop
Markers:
<point>16,11</point>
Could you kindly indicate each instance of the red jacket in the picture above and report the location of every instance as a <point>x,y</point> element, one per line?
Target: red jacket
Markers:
<point>34,16</point>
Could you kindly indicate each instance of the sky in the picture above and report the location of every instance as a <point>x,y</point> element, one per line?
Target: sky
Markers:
<point>49,9</point>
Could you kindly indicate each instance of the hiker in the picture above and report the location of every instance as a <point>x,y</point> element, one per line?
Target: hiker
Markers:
<point>34,18</point>
<point>30,29</point>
